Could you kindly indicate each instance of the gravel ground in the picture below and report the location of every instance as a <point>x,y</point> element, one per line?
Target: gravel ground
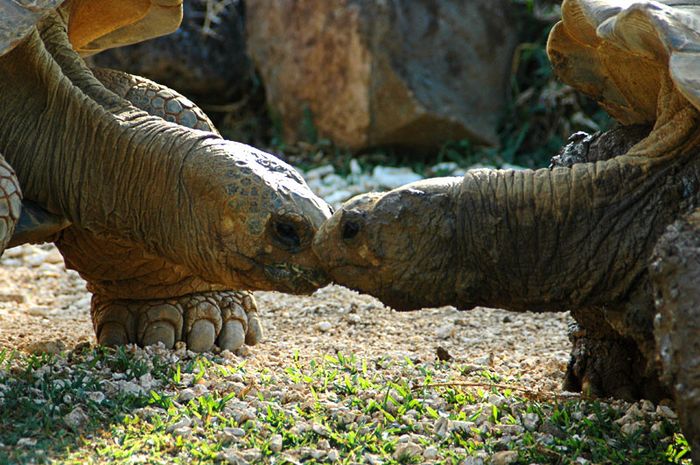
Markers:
<point>43,303</point>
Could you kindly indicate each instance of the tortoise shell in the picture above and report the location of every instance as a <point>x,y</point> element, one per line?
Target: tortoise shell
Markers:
<point>93,25</point>
<point>620,51</point>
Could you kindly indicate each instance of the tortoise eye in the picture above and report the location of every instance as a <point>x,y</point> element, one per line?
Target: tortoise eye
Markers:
<point>287,235</point>
<point>350,230</point>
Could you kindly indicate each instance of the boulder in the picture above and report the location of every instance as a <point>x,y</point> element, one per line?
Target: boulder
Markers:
<point>205,59</point>
<point>375,72</point>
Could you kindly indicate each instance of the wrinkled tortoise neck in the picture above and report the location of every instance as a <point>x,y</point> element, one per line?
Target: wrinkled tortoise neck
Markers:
<point>578,236</point>
<point>82,152</point>
<point>568,238</point>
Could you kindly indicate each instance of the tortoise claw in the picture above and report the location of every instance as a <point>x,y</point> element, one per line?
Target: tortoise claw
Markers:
<point>232,335</point>
<point>226,318</point>
<point>114,323</point>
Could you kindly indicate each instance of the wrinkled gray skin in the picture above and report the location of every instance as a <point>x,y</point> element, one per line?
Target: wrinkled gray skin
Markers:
<point>522,240</point>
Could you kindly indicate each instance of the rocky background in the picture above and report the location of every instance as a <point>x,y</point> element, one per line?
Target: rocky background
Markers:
<point>383,82</point>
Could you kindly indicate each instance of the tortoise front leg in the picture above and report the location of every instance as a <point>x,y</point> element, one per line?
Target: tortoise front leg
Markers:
<point>675,272</point>
<point>10,203</point>
<point>144,299</point>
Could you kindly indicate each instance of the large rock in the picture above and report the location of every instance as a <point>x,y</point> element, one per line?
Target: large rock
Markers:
<point>205,59</point>
<point>377,72</point>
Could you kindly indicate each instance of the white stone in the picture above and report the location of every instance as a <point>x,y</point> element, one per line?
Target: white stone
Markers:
<point>39,311</point>
<point>531,421</point>
<point>406,451</point>
<point>391,177</point>
<point>355,167</point>
<point>237,432</point>
<point>129,387</point>
<point>319,172</point>
<point>444,167</point>
<point>442,427</point>
<point>445,331</point>
<point>509,166</point>
<point>629,429</point>
<point>472,461</point>
<point>666,412</point>
<point>232,457</point>
<point>185,421</point>
<point>36,259</point>
<point>319,429</point>
<point>26,442</point>
<point>338,197</point>
<point>186,395</point>
<point>324,326</point>
<point>252,454</point>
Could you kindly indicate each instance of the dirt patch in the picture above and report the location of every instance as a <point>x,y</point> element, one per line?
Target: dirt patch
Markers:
<point>41,301</point>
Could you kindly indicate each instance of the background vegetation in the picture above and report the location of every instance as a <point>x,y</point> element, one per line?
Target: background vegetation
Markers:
<point>540,114</point>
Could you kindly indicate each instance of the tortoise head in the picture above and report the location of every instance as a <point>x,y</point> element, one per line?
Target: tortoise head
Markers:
<point>259,216</point>
<point>395,246</point>
<point>225,212</point>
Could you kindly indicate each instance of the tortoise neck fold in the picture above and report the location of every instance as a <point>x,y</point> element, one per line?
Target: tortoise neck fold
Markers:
<point>82,152</point>
<point>553,240</point>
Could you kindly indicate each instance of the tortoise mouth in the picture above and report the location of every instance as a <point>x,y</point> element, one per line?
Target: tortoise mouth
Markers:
<point>295,279</point>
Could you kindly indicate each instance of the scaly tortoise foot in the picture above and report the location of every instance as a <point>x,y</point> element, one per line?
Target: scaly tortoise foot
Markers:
<point>225,318</point>
<point>10,203</point>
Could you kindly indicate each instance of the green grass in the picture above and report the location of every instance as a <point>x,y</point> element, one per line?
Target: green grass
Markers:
<point>202,409</point>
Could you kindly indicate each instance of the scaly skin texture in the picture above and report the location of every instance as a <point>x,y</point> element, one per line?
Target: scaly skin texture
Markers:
<point>155,99</point>
<point>10,202</point>
<point>224,215</point>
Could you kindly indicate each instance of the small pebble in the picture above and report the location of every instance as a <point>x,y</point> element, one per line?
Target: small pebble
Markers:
<point>531,421</point>
<point>96,396</point>
<point>407,451</point>
<point>183,422</point>
<point>26,442</point>
<point>504,457</point>
<point>276,443</point>
<point>629,429</point>
<point>430,453</point>
<point>472,461</point>
<point>666,412</point>
<point>237,432</point>
<point>76,418</point>
<point>324,326</point>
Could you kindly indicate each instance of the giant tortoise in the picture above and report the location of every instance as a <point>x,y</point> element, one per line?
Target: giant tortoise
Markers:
<point>162,217</point>
<point>611,232</point>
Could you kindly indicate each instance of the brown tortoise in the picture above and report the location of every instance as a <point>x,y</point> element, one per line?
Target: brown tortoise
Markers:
<point>165,222</point>
<point>615,238</point>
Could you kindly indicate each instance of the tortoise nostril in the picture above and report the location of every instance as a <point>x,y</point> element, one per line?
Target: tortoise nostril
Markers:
<point>350,230</point>
<point>287,235</point>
